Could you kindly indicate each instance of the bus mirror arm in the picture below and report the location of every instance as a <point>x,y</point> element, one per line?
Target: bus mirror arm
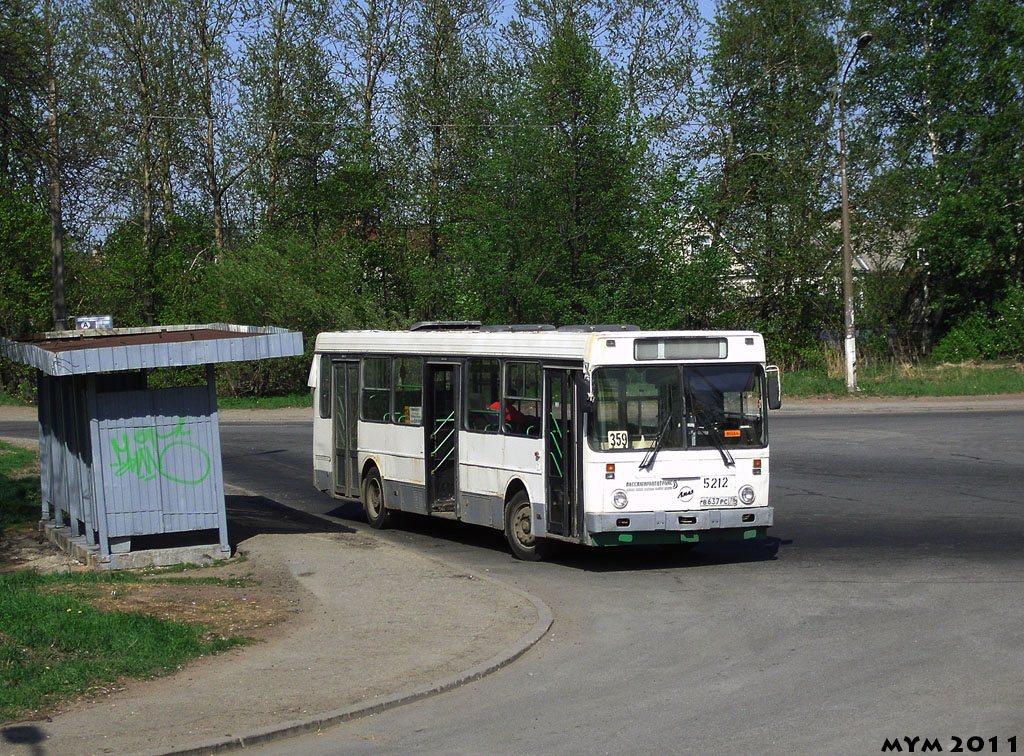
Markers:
<point>774,387</point>
<point>587,403</point>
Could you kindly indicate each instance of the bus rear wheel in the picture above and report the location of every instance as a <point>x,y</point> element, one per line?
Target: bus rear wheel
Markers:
<point>373,501</point>
<point>519,530</point>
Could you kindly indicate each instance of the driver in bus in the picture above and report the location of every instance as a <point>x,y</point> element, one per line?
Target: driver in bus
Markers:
<point>512,414</point>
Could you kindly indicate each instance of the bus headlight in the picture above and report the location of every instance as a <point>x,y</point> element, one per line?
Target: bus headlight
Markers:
<point>747,494</point>
<point>619,499</point>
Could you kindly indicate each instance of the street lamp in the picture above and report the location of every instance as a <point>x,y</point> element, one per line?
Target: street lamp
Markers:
<point>850,341</point>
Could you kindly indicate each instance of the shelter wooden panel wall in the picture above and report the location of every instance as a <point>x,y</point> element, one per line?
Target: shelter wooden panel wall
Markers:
<point>157,461</point>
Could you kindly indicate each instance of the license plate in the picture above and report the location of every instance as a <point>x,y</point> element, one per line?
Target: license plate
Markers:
<point>718,501</point>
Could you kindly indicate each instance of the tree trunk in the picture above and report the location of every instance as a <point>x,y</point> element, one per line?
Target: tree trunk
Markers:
<point>149,284</point>
<point>274,137</point>
<point>60,312</point>
<point>166,187</point>
<point>212,182</point>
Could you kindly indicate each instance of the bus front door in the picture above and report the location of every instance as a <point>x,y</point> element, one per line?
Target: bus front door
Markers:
<point>561,471</point>
<point>441,424</point>
<point>346,415</point>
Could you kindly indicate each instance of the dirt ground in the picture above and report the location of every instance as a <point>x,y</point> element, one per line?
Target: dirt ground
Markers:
<point>247,604</point>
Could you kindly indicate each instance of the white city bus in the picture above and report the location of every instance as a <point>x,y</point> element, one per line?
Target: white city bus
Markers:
<point>597,435</point>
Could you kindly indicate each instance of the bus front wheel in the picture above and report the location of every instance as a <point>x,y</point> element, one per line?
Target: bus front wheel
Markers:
<point>373,500</point>
<point>519,529</point>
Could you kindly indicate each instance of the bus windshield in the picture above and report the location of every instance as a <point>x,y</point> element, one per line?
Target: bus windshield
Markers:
<point>691,406</point>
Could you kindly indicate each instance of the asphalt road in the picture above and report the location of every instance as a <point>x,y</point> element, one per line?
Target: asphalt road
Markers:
<point>887,605</point>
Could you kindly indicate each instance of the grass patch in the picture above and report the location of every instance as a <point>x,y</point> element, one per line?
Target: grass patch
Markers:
<point>187,566</point>
<point>305,399</point>
<point>55,645</point>
<point>947,380</point>
<point>808,383</point>
<point>911,380</point>
<point>20,500</point>
<point>66,634</point>
<point>84,582</point>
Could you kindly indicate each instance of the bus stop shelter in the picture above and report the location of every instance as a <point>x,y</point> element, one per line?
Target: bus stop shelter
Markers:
<point>131,476</point>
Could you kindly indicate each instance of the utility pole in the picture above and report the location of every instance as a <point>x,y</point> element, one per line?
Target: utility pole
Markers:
<point>850,340</point>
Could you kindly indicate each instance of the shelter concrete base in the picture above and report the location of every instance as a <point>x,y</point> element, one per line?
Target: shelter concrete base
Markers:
<point>88,555</point>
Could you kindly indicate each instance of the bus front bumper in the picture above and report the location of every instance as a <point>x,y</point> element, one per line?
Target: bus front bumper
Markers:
<point>611,528</point>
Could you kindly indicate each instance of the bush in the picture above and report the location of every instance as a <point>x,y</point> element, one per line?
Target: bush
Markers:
<point>17,383</point>
<point>970,339</point>
<point>1009,323</point>
<point>981,336</point>
<point>800,352</point>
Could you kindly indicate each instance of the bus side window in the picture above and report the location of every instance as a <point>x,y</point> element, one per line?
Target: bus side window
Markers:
<point>325,386</point>
<point>376,389</point>
<point>522,399</point>
<point>408,390</point>
<point>483,381</point>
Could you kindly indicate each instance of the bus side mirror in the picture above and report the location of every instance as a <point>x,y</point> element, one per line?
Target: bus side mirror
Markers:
<point>586,403</point>
<point>774,387</point>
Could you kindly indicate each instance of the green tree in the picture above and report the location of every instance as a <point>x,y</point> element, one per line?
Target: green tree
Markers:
<point>444,107</point>
<point>653,46</point>
<point>292,111</point>
<point>22,82</point>
<point>369,38</point>
<point>942,96</point>
<point>23,280</point>
<point>37,55</point>
<point>974,238</point>
<point>556,202</point>
<point>771,81</point>
<point>25,274</point>
<point>216,161</point>
<point>135,45</point>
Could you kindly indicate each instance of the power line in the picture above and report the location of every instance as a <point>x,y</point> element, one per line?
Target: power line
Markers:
<point>424,124</point>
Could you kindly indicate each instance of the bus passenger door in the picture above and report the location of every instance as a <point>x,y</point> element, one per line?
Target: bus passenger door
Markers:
<point>441,425</point>
<point>346,416</point>
<point>561,470</point>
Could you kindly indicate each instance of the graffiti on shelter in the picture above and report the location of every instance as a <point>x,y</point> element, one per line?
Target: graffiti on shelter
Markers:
<point>147,454</point>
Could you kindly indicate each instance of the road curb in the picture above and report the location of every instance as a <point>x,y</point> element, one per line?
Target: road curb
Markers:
<point>325,720</point>
<point>901,405</point>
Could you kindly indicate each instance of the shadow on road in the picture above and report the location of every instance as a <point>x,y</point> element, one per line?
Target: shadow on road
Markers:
<point>638,558</point>
<point>348,510</point>
<point>443,533</point>
<point>25,735</point>
<point>252,515</point>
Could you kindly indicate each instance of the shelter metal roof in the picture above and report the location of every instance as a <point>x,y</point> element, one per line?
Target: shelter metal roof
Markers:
<point>61,353</point>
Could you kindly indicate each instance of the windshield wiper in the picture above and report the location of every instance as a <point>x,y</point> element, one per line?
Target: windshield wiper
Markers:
<point>713,435</point>
<point>647,463</point>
